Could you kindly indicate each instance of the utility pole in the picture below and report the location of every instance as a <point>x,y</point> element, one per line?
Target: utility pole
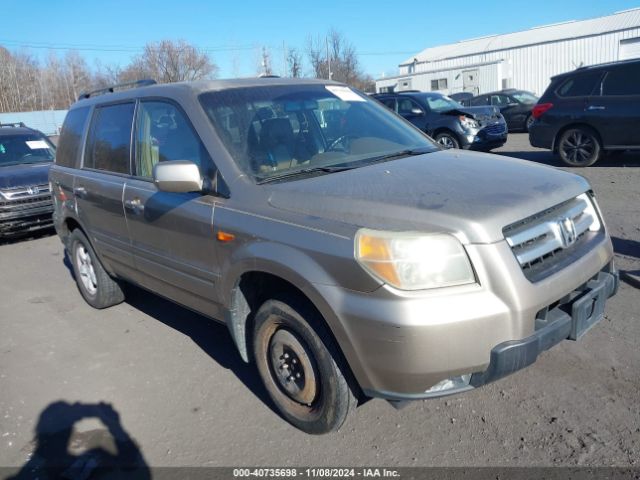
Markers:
<point>326,40</point>
<point>284,59</point>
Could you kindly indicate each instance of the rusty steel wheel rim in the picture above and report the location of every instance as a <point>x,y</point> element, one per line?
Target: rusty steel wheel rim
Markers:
<point>292,367</point>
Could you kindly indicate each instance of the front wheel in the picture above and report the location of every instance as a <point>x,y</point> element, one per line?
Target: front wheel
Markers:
<point>579,147</point>
<point>298,369</point>
<point>447,140</point>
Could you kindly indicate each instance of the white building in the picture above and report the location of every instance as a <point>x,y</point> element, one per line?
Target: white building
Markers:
<point>524,60</point>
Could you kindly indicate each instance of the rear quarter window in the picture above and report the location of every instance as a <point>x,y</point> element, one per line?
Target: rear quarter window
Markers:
<point>580,85</point>
<point>70,142</point>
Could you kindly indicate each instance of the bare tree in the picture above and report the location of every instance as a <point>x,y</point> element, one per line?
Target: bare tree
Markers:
<point>170,61</point>
<point>334,56</point>
<point>294,63</point>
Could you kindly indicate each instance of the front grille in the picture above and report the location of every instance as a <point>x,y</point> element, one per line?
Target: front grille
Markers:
<point>543,241</point>
<point>25,192</point>
<point>496,129</point>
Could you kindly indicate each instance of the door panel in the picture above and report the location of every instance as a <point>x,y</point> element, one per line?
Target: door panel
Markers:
<point>174,245</point>
<point>172,233</point>
<point>616,112</point>
<point>99,205</point>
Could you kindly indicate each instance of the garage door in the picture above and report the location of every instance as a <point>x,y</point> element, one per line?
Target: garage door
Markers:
<point>629,48</point>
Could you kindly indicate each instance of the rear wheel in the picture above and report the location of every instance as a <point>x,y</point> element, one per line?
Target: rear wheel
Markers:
<point>299,368</point>
<point>579,147</point>
<point>447,140</point>
<point>528,122</point>
<point>95,285</point>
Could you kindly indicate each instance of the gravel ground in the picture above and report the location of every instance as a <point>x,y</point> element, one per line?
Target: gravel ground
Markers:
<point>185,398</point>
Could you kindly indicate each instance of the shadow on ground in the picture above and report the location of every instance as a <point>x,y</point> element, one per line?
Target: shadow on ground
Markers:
<point>24,237</point>
<point>626,247</point>
<point>61,451</point>
<point>630,159</point>
<point>212,337</point>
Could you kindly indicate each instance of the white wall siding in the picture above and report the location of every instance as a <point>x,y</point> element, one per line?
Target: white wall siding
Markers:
<point>527,67</point>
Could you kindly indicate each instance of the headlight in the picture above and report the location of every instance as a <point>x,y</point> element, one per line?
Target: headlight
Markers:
<point>413,261</point>
<point>592,210</point>
<point>468,122</point>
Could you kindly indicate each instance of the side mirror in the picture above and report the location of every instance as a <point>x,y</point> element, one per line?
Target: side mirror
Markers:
<point>177,176</point>
<point>416,111</point>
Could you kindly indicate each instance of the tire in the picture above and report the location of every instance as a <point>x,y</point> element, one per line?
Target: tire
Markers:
<point>96,286</point>
<point>285,346</point>
<point>447,140</point>
<point>527,122</point>
<point>579,147</point>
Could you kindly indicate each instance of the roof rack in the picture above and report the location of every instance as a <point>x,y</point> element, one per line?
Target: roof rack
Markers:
<point>13,124</point>
<point>120,86</point>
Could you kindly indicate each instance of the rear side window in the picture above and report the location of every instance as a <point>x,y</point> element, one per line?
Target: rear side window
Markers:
<point>109,144</point>
<point>622,81</point>
<point>580,85</point>
<point>477,101</point>
<point>70,142</point>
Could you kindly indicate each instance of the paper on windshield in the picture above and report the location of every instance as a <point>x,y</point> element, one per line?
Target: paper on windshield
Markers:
<point>344,93</point>
<point>37,144</point>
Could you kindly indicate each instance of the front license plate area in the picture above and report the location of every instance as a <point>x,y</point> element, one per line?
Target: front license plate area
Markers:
<point>588,310</point>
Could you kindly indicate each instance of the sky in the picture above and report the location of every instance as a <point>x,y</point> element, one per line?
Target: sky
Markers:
<point>233,33</point>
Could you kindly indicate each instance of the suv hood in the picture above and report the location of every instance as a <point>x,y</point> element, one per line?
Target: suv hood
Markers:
<point>471,195</point>
<point>24,175</point>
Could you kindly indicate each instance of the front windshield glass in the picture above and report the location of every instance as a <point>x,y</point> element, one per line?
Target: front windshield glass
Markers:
<point>525,97</point>
<point>273,131</point>
<point>24,148</point>
<point>440,103</point>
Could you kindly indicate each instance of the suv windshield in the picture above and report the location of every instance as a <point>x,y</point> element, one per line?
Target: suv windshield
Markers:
<point>525,97</point>
<point>278,131</point>
<point>24,148</point>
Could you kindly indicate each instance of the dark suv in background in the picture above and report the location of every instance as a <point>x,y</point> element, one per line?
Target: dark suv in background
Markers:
<point>448,122</point>
<point>589,111</point>
<point>515,106</point>
<point>25,200</point>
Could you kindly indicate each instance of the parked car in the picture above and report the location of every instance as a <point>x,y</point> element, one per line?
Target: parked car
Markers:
<point>515,106</point>
<point>25,201</point>
<point>448,122</point>
<point>348,254</point>
<point>589,112</point>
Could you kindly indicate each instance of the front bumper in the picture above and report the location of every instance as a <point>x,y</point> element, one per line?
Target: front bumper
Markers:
<point>487,138</point>
<point>401,344</point>
<point>25,216</point>
<point>571,318</point>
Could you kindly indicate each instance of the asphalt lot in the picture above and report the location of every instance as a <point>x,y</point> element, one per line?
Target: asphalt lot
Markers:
<point>185,398</point>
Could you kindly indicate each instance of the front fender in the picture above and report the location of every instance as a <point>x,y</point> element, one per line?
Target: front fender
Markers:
<point>278,260</point>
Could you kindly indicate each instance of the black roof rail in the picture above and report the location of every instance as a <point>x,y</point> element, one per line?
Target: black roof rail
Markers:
<point>119,86</point>
<point>14,124</point>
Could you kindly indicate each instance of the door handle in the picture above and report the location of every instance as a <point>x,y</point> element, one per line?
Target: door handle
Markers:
<point>595,107</point>
<point>80,192</point>
<point>135,205</point>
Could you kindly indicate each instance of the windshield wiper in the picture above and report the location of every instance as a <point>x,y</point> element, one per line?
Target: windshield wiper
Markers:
<point>410,152</point>
<point>305,171</point>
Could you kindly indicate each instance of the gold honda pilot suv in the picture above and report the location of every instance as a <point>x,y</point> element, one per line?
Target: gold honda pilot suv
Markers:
<point>348,254</point>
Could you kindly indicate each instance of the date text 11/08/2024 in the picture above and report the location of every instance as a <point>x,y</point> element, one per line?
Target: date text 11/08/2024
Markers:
<point>315,472</point>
